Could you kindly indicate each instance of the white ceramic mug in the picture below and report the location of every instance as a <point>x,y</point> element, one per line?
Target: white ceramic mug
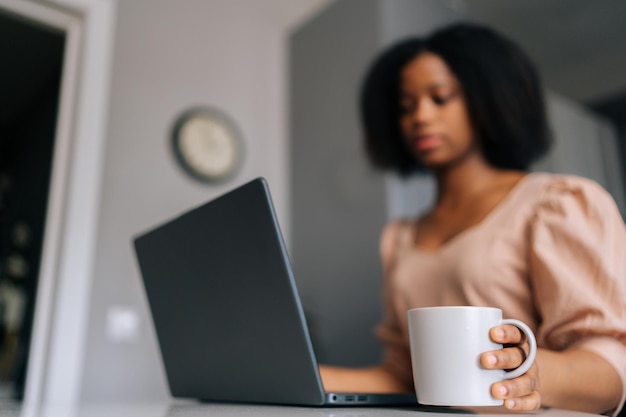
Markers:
<point>446,344</point>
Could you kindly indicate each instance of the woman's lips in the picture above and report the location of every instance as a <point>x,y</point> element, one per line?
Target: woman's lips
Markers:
<point>426,142</point>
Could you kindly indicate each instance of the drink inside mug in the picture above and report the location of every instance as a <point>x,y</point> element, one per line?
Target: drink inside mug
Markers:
<point>446,344</point>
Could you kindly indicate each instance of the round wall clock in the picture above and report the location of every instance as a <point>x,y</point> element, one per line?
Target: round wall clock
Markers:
<point>207,144</point>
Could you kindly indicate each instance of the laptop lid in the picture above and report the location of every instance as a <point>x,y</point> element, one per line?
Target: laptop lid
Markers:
<point>226,308</point>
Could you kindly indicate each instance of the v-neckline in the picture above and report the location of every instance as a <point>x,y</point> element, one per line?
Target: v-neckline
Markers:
<point>493,213</point>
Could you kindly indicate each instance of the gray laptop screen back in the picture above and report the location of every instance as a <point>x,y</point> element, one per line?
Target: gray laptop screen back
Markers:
<point>225,306</point>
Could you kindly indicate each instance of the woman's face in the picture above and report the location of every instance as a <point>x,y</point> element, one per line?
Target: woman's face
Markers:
<point>433,115</point>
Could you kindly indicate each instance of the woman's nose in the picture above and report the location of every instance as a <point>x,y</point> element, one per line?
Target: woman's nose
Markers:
<point>423,112</point>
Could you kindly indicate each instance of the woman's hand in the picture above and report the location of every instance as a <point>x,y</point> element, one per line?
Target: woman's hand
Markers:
<point>519,393</point>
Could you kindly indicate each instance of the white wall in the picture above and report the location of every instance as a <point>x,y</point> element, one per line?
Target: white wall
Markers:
<point>169,55</point>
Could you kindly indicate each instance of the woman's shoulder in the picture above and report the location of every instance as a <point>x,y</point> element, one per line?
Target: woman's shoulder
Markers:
<point>394,231</point>
<point>564,182</point>
<point>393,236</point>
<point>566,195</point>
<point>560,187</point>
<point>397,225</point>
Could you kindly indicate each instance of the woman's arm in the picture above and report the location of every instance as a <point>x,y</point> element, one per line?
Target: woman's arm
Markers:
<point>374,379</point>
<point>578,379</point>
<point>577,264</point>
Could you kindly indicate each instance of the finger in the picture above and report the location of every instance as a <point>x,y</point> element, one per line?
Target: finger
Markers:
<point>507,334</point>
<point>526,403</point>
<point>507,358</point>
<point>517,387</point>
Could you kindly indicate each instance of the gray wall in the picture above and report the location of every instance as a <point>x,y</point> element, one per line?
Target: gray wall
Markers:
<point>338,201</point>
<point>168,56</point>
<point>585,144</point>
<point>333,193</point>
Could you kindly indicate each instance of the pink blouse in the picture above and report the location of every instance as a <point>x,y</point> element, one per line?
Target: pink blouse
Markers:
<point>552,254</point>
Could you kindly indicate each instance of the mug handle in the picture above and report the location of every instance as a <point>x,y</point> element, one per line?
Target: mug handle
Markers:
<point>532,353</point>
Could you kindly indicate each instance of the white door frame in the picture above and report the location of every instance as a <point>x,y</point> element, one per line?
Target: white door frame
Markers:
<point>61,310</point>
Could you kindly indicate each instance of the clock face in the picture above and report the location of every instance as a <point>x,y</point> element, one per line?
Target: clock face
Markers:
<point>207,145</point>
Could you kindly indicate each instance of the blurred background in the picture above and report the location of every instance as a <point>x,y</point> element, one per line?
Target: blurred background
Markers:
<point>91,92</point>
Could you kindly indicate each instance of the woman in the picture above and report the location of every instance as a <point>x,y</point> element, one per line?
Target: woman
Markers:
<point>466,105</point>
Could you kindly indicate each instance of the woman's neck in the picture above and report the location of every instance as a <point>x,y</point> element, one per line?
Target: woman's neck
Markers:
<point>474,179</point>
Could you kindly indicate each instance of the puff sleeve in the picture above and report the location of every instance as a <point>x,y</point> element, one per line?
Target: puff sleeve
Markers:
<point>578,270</point>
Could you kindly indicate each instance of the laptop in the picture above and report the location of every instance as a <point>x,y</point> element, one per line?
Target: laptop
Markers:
<point>226,310</point>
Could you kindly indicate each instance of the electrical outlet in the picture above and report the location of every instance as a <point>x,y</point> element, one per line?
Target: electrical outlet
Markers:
<point>123,324</point>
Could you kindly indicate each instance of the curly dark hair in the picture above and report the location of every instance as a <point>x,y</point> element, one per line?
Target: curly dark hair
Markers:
<point>501,86</point>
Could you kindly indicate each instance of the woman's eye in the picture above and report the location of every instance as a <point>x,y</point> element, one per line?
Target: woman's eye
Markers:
<point>406,108</point>
<point>440,100</point>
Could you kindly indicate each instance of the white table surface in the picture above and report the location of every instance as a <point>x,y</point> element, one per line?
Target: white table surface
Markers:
<point>193,409</point>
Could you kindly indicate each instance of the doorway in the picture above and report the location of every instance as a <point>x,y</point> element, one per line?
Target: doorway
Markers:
<point>30,80</point>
